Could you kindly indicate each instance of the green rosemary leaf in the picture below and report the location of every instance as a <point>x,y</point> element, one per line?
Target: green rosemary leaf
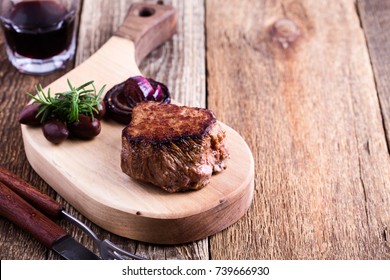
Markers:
<point>84,92</point>
<point>70,85</point>
<point>101,92</point>
<point>84,85</point>
<point>67,105</point>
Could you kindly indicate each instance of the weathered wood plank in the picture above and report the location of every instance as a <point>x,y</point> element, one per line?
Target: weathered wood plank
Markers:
<point>374,16</point>
<point>297,83</point>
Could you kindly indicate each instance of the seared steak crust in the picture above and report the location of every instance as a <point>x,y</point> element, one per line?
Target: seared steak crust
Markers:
<point>177,148</point>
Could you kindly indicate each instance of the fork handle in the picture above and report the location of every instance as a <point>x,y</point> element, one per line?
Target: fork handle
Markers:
<point>22,214</point>
<point>40,200</point>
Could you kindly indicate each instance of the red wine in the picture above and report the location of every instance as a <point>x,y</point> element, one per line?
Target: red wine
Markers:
<point>39,29</point>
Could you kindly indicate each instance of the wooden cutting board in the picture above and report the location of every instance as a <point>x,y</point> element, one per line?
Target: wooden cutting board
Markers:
<point>88,174</point>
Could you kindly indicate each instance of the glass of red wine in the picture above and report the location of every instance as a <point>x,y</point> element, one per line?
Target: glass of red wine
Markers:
<point>39,34</point>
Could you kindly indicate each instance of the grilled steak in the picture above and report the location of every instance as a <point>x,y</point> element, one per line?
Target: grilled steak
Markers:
<point>177,148</point>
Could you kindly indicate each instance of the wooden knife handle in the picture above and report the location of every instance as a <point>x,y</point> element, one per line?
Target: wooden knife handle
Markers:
<point>22,214</point>
<point>148,26</point>
<point>38,199</point>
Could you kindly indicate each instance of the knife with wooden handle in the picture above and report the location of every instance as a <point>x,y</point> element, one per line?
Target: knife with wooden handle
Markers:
<point>15,194</point>
<point>24,215</point>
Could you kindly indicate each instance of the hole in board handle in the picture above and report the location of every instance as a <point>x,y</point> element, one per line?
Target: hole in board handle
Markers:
<point>146,12</point>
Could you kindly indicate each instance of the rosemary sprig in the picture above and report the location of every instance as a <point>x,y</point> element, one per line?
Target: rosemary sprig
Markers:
<point>67,105</point>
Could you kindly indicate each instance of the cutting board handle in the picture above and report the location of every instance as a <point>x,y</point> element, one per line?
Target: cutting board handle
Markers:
<point>148,26</point>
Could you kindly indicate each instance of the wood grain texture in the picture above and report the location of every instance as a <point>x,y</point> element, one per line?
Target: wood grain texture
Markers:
<point>297,83</point>
<point>375,20</point>
<point>181,63</point>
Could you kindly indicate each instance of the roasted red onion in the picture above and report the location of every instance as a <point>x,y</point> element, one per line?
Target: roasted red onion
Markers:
<point>121,99</point>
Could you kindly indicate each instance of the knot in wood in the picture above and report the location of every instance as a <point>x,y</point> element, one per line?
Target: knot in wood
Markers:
<point>284,32</point>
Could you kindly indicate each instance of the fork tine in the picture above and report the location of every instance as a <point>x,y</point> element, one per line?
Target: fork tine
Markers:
<point>118,256</point>
<point>120,253</point>
<point>112,255</point>
<point>106,247</point>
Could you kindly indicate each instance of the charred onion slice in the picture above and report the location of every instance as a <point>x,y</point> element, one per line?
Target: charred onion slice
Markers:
<point>116,104</point>
<point>121,99</point>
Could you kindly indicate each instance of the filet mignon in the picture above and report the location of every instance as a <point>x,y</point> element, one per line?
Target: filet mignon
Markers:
<point>176,148</point>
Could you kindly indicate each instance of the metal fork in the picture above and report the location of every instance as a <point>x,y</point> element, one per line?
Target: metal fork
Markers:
<point>107,249</point>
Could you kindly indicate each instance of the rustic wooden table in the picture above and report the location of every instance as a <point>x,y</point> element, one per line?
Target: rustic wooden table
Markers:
<point>305,82</point>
